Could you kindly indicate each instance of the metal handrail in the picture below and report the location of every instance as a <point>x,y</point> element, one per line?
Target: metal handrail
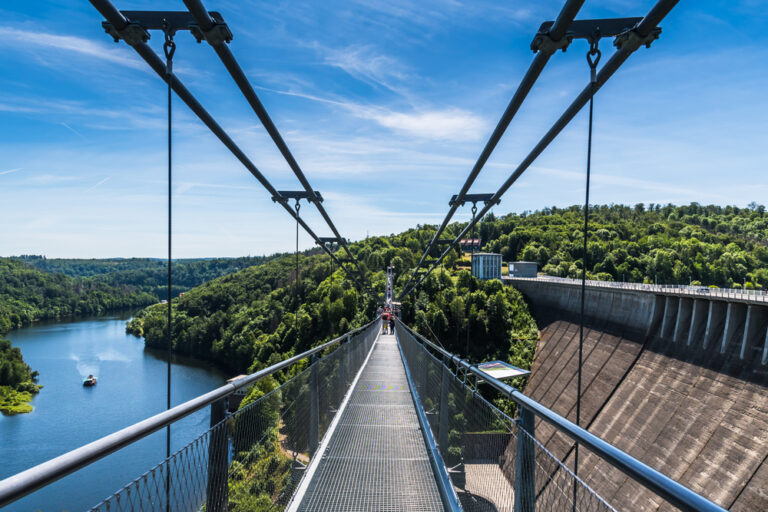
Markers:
<point>447,492</point>
<point>21,484</point>
<point>672,491</point>
<point>679,289</point>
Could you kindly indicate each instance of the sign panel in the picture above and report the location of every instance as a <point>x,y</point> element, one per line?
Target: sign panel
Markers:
<point>501,370</point>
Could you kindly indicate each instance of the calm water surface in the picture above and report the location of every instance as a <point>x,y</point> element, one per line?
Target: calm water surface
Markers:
<point>131,387</point>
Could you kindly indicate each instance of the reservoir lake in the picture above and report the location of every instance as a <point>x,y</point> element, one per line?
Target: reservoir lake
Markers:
<point>131,387</point>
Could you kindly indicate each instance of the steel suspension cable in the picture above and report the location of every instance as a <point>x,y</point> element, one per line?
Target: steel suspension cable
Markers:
<point>593,58</point>
<point>119,22</point>
<point>635,39</point>
<point>296,281</point>
<point>556,34</point>
<point>169,48</point>
<point>469,305</point>
<point>207,23</point>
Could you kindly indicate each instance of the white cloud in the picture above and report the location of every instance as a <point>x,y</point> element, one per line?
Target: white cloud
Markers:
<point>51,179</point>
<point>364,63</point>
<point>9,171</point>
<point>28,40</point>
<point>450,124</point>
<point>436,124</point>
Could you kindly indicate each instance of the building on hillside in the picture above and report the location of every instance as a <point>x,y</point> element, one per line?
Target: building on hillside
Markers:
<point>523,269</point>
<point>471,244</point>
<point>486,265</point>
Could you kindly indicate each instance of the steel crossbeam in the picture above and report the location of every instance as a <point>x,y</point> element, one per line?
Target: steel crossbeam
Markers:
<point>556,34</point>
<point>627,42</point>
<point>131,33</point>
<point>208,23</point>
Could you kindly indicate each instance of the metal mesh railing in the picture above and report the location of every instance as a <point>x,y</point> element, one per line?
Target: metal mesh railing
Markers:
<point>488,455</point>
<point>254,458</point>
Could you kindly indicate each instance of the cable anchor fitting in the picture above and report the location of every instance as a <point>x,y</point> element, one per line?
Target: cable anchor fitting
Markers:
<point>133,33</point>
<point>219,33</point>
<point>545,44</point>
<point>169,48</point>
<point>593,55</point>
<point>630,40</point>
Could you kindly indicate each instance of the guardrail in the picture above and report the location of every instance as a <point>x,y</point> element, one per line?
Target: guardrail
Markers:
<point>28,481</point>
<point>672,491</point>
<point>760,296</point>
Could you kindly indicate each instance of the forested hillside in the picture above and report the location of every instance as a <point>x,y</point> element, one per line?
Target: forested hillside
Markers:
<point>146,274</point>
<point>246,320</point>
<point>28,295</point>
<point>711,245</point>
<point>17,380</point>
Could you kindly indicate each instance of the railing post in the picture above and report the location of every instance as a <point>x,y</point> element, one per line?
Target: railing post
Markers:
<point>347,366</point>
<point>442,431</point>
<point>314,406</point>
<point>525,468</point>
<point>218,460</point>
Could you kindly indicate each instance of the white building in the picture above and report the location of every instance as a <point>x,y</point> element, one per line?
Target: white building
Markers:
<point>486,265</point>
<point>523,269</point>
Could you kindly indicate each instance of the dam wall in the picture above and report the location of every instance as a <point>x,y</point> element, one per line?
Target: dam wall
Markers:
<point>677,381</point>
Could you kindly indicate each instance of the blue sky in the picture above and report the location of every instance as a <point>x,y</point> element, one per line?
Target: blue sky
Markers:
<point>385,104</point>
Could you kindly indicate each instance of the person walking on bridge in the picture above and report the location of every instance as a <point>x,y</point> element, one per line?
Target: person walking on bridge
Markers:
<point>391,324</point>
<point>384,322</point>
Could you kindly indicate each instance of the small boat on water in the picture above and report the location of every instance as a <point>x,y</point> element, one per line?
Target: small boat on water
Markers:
<point>90,381</point>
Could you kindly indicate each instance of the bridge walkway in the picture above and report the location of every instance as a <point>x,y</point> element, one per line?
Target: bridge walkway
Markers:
<point>375,457</point>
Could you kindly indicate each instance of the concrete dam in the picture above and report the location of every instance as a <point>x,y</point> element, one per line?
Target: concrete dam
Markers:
<point>677,380</point>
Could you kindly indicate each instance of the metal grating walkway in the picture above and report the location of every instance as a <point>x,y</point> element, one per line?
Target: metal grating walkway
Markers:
<point>376,459</point>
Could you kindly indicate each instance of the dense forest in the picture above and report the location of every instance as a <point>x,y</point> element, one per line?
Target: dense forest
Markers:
<point>17,380</point>
<point>28,295</point>
<point>146,274</point>
<point>246,320</point>
<point>709,245</point>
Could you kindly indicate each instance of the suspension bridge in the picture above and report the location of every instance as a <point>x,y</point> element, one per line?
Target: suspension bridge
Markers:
<point>393,421</point>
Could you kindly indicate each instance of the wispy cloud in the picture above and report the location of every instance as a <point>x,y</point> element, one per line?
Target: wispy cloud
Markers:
<point>98,184</point>
<point>600,179</point>
<point>184,187</point>
<point>51,179</point>
<point>26,40</point>
<point>139,116</point>
<point>65,125</point>
<point>365,63</point>
<point>9,171</point>
<point>451,124</point>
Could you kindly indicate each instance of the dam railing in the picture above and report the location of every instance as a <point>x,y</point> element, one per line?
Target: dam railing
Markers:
<point>273,436</point>
<point>497,460</point>
<point>760,296</point>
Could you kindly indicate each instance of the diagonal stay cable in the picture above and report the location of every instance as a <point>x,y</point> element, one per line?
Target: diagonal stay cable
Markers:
<point>119,21</point>
<point>207,26</point>
<point>556,35</point>
<point>627,45</point>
